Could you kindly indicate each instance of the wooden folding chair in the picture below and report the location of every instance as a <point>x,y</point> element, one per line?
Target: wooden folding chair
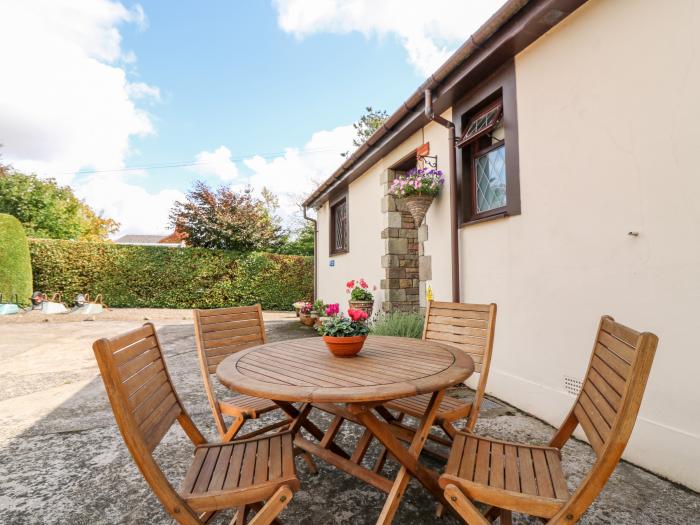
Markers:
<point>511,477</point>
<point>220,333</point>
<point>238,475</point>
<point>469,327</point>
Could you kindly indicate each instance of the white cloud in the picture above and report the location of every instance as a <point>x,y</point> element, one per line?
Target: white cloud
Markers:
<point>300,169</point>
<point>67,103</point>
<point>217,163</point>
<point>429,32</point>
<point>136,209</point>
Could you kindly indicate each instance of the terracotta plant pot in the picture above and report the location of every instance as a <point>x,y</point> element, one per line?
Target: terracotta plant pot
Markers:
<point>365,306</point>
<point>306,319</point>
<point>418,206</point>
<point>344,346</point>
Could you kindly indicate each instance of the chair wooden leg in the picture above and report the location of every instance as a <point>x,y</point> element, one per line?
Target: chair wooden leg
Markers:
<point>239,516</point>
<point>308,459</point>
<point>449,428</point>
<point>206,517</point>
<point>383,452</point>
<point>233,429</point>
<point>380,461</point>
<point>506,517</point>
<point>276,504</point>
<point>464,508</point>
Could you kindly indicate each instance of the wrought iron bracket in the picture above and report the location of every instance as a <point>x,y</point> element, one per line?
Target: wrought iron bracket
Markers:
<point>427,161</point>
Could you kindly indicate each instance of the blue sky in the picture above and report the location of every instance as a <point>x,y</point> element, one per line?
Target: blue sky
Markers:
<point>231,76</point>
<point>257,92</point>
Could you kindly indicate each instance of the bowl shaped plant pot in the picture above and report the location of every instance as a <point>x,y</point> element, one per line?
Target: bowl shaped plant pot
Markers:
<point>418,206</point>
<point>344,346</point>
<point>306,319</point>
<point>365,306</point>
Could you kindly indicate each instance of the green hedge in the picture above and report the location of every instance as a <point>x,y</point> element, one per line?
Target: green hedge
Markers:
<point>15,266</point>
<point>155,277</point>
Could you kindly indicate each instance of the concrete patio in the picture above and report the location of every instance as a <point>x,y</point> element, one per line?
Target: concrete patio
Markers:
<point>62,459</point>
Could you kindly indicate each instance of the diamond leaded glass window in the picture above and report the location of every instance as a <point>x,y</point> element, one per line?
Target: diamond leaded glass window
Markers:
<point>491,180</point>
<point>339,227</point>
<point>481,124</point>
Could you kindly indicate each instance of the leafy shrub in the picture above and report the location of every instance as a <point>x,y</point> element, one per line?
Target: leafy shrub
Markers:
<point>399,324</point>
<point>15,265</point>
<point>157,277</point>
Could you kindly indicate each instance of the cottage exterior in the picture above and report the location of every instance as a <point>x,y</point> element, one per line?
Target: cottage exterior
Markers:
<point>593,207</point>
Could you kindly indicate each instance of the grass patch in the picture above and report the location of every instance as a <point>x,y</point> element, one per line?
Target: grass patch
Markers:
<point>398,324</point>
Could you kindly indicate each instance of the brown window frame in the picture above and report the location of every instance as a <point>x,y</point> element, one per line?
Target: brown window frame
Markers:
<point>341,199</point>
<point>497,89</point>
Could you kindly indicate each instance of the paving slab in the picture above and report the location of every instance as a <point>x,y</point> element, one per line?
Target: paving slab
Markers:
<point>62,459</point>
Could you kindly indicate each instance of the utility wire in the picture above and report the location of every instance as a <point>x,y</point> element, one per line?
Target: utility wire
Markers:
<point>195,163</point>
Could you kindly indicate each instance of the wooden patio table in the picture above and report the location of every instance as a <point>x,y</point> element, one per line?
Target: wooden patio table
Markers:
<point>354,389</point>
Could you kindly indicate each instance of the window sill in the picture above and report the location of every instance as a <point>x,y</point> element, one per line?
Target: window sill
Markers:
<point>495,216</point>
<point>335,254</point>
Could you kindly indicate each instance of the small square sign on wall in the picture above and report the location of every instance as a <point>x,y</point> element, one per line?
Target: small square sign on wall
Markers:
<point>331,263</point>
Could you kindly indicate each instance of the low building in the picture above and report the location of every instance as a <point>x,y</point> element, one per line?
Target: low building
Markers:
<point>579,199</point>
<point>173,240</point>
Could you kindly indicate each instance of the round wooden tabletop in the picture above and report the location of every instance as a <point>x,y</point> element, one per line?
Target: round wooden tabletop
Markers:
<point>304,370</point>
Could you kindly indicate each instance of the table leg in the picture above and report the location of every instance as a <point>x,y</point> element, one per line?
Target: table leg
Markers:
<point>408,458</point>
<point>300,419</point>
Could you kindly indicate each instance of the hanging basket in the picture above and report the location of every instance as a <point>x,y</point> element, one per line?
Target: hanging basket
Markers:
<point>418,206</point>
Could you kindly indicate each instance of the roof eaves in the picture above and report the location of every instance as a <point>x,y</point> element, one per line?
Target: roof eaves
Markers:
<point>476,40</point>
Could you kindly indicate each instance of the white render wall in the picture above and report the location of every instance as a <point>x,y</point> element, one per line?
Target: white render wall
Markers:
<point>363,259</point>
<point>367,222</point>
<point>608,109</point>
<point>607,117</point>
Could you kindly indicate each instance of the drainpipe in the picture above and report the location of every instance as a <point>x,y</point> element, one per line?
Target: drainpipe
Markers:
<point>453,189</point>
<point>315,250</point>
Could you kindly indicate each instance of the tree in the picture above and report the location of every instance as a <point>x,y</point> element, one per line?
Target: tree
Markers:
<point>370,122</point>
<point>302,243</point>
<point>47,210</point>
<point>226,219</point>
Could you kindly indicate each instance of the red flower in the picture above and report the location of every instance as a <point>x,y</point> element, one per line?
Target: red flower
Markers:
<point>363,283</point>
<point>357,315</point>
<point>350,284</point>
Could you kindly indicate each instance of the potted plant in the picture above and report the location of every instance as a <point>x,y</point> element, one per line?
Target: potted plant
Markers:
<point>360,296</point>
<point>305,314</point>
<point>417,188</point>
<point>344,336</point>
<point>318,310</point>
<point>297,306</point>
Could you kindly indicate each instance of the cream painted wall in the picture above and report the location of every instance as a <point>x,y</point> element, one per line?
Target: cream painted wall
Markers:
<point>367,221</point>
<point>438,217</point>
<point>607,112</point>
<point>607,119</point>
<point>364,258</point>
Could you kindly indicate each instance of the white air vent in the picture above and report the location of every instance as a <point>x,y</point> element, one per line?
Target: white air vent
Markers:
<point>572,386</point>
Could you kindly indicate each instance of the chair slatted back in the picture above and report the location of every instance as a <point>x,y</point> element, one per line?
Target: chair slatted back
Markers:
<point>618,369</point>
<point>145,406</point>
<point>224,331</point>
<point>469,327</point>
<point>138,384</point>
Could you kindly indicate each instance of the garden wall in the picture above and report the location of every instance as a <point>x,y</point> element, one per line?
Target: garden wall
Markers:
<point>155,277</point>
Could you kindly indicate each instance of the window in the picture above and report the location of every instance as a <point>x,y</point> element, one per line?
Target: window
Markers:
<point>339,226</point>
<point>484,156</point>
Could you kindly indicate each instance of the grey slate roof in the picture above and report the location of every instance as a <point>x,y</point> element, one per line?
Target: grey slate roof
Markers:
<point>140,239</point>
